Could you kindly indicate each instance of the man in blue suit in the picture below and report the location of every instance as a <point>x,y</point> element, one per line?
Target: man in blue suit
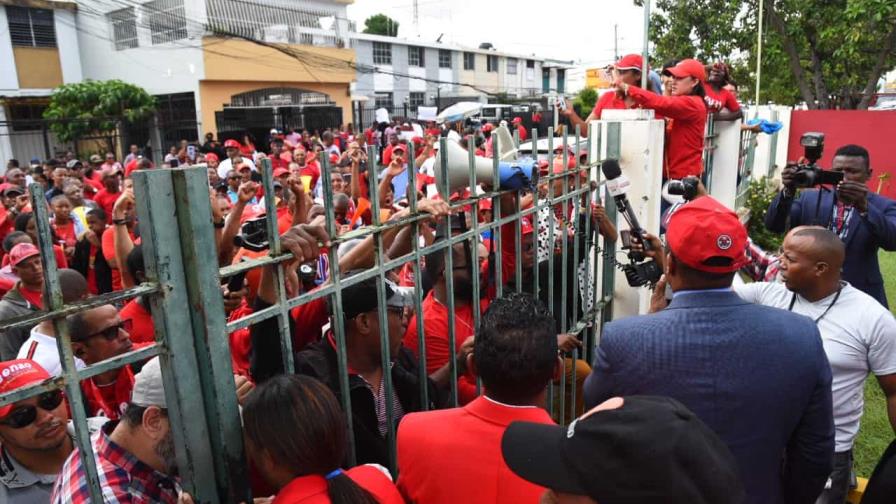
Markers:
<point>757,376</point>
<point>863,220</point>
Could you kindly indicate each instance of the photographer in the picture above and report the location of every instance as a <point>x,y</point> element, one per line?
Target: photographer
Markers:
<point>864,221</point>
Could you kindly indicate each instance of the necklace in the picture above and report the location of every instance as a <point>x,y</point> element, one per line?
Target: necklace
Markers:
<point>836,297</point>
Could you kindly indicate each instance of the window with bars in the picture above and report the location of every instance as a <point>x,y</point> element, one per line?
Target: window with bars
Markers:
<point>31,27</point>
<point>491,63</point>
<point>469,61</point>
<point>382,53</point>
<point>444,58</point>
<point>383,100</point>
<point>167,20</point>
<point>511,66</point>
<point>124,28</point>
<point>415,56</point>
<point>415,99</point>
<point>530,69</point>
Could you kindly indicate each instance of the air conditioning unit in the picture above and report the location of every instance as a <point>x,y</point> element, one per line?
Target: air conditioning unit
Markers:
<point>276,34</point>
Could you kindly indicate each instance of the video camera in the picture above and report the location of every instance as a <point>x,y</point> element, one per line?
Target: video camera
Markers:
<point>686,187</point>
<point>810,174</point>
<point>253,235</point>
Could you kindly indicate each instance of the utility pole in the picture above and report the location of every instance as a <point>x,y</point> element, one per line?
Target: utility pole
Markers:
<point>615,42</point>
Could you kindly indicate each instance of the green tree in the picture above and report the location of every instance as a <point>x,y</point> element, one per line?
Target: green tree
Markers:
<point>93,106</point>
<point>381,24</point>
<point>584,101</point>
<point>826,53</point>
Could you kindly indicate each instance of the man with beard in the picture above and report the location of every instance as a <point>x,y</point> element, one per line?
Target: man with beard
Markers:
<point>134,456</point>
<point>34,442</point>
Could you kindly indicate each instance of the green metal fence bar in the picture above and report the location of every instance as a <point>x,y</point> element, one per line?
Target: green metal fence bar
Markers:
<point>709,150</point>
<point>448,273</point>
<point>535,281</point>
<point>337,322</point>
<point>52,299</point>
<point>497,244</point>
<point>423,375</point>
<point>474,256</point>
<point>382,311</point>
<point>270,205</point>
<point>613,150</point>
<point>215,371</point>
<point>154,194</point>
<point>79,306</point>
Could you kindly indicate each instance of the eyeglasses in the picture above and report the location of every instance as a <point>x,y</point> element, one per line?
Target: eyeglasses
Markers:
<point>395,310</point>
<point>110,333</point>
<point>26,415</point>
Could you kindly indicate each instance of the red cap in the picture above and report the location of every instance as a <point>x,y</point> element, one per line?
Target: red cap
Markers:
<point>21,252</point>
<point>399,147</point>
<point>417,140</point>
<point>630,62</point>
<point>334,158</point>
<point>517,120</point>
<point>19,373</point>
<point>705,229</point>
<point>688,68</point>
<point>485,204</point>
<point>487,127</point>
<point>211,156</point>
<point>231,143</point>
<point>279,172</point>
<point>243,166</point>
<point>526,226</point>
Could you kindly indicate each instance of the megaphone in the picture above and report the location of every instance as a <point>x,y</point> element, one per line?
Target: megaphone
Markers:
<point>507,149</point>
<point>514,175</point>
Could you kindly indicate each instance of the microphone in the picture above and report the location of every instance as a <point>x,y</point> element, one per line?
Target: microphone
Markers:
<point>617,185</point>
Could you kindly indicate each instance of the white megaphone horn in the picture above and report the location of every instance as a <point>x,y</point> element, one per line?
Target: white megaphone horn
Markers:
<point>506,147</point>
<point>514,175</point>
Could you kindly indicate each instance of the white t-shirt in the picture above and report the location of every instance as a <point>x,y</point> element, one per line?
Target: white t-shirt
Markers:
<point>42,349</point>
<point>859,336</point>
<point>227,165</point>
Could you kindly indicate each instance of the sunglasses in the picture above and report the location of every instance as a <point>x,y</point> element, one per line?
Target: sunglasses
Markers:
<point>26,415</point>
<point>110,333</point>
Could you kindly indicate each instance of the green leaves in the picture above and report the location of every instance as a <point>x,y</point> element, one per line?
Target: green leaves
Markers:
<point>381,24</point>
<point>90,106</point>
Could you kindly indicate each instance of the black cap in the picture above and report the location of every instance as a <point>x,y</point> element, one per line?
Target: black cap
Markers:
<point>649,450</point>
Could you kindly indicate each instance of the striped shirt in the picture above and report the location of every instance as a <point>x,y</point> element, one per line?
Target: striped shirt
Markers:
<point>123,478</point>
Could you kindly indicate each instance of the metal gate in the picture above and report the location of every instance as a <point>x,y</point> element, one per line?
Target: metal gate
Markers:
<point>192,330</point>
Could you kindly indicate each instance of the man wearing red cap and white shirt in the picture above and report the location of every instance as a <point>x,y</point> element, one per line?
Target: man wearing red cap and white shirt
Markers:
<point>628,70</point>
<point>34,440</point>
<point>518,125</point>
<point>757,376</point>
<point>23,298</point>
<point>234,157</point>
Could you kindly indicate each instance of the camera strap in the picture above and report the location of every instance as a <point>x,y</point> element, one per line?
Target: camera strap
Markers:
<point>833,301</point>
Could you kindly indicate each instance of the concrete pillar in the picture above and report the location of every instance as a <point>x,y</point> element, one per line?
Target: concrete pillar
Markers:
<point>725,162</point>
<point>641,159</point>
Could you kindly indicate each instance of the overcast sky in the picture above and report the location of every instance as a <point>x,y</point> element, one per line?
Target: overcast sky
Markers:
<point>561,29</point>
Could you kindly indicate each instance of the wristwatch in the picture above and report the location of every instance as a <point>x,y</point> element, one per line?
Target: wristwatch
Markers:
<point>120,222</point>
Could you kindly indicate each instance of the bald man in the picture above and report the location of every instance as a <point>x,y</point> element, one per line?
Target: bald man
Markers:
<point>858,333</point>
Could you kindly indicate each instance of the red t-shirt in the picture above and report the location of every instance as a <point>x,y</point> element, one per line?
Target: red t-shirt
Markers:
<point>109,400</point>
<point>387,154</point>
<point>106,201</point>
<point>435,330</point>
<point>66,233</point>
<point>684,150</point>
<point>277,162</point>
<point>108,244</point>
<point>311,169</point>
<point>33,297</point>
<point>240,341</point>
<point>91,270</point>
<point>717,100</point>
<point>309,320</point>
<point>143,328</point>
<point>313,489</point>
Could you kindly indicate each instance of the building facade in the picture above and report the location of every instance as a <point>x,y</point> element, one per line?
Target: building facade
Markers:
<point>394,72</point>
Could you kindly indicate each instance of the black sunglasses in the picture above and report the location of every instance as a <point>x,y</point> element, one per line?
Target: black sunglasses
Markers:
<point>26,415</point>
<point>110,333</point>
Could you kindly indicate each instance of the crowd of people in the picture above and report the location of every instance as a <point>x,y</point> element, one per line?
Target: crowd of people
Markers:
<point>739,388</point>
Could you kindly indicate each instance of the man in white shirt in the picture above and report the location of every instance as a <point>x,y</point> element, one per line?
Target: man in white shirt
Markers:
<point>858,333</point>
<point>232,147</point>
<point>41,343</point>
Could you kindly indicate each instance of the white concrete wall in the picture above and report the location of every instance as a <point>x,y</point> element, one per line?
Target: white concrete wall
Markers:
<point>641,159</point>
<point>67,42</point>
<point>173,67</point>
<point>765,158</point>
<point>9,79</point>
<point>417,85</point>
<point>725,158</point>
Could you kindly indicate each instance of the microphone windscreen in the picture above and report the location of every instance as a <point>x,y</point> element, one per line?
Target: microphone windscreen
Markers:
<point>611,169</point>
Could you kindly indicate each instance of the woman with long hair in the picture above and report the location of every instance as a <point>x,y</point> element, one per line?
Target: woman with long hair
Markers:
<point>687,111</point>
<point>296,436</point>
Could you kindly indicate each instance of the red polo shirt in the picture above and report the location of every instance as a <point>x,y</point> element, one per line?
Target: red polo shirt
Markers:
<point>454,455</point>
<point>143,328</point>
<point>684,149</point>
<point>313,489</point>
<point>109,400</point>
<point>106,201</point>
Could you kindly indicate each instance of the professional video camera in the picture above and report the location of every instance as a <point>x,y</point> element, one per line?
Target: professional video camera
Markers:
<point>253,235</point>
<point>686,187</point>
<point>638,272</point>
<point>810,174</point>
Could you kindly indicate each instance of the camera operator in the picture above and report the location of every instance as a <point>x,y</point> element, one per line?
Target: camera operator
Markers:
<point>859,336</point>
<point>864,221</point>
